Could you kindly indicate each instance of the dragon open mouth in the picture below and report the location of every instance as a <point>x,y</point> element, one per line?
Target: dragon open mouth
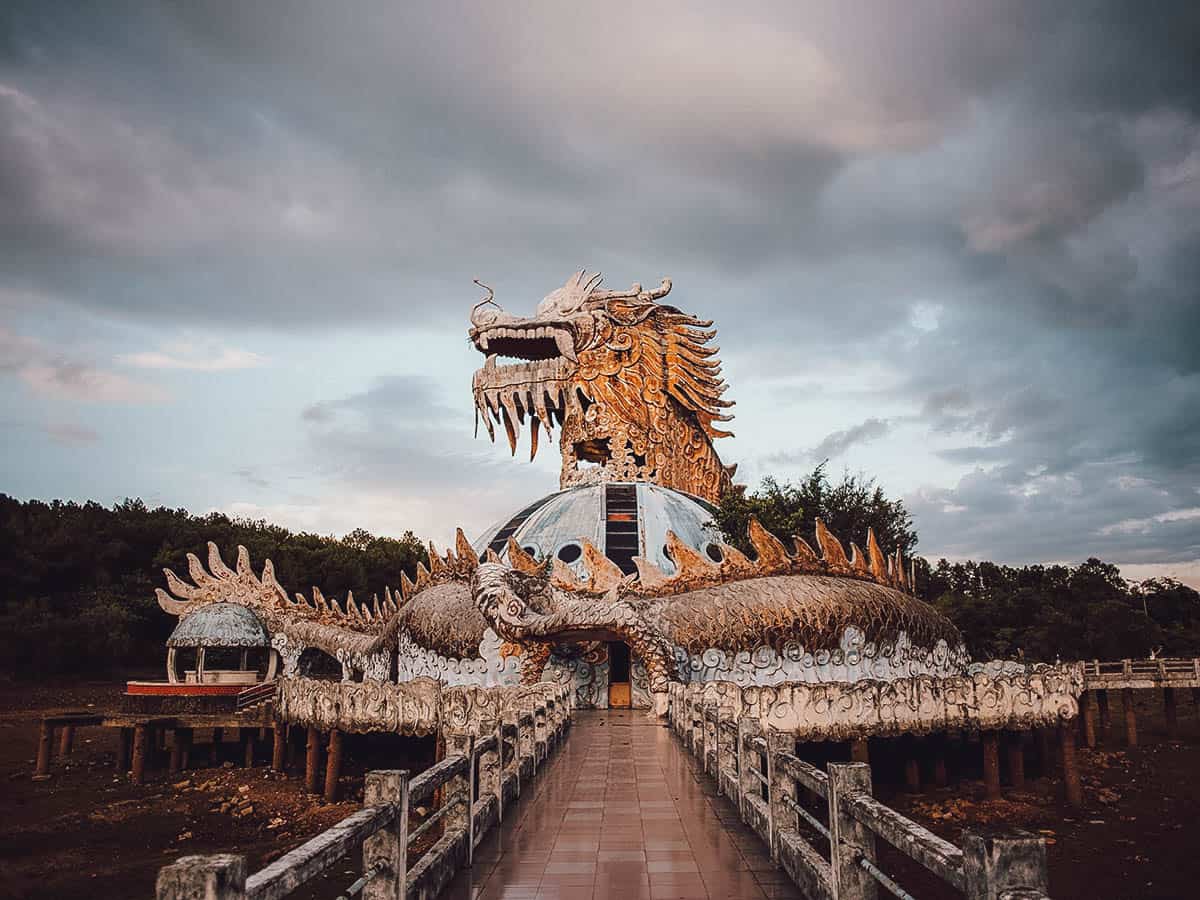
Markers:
<point>526,376</point>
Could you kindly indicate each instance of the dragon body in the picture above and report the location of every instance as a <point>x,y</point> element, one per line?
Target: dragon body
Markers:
<point>635,388</point>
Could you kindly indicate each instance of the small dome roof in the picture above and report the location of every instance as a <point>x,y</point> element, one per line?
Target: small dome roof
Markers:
<point>220,625</point>
<point>622,519</point>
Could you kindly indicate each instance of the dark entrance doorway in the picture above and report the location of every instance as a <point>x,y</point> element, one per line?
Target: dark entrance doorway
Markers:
<point>619,694</point>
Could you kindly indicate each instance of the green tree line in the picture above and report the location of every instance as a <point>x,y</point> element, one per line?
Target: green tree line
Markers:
<point>1035,612</point>
<point>77,580</point>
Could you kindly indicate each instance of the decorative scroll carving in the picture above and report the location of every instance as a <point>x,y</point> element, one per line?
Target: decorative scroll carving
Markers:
<point>923,704</point>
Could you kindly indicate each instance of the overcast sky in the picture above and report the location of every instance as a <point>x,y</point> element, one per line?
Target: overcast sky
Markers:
<point>955,245</point>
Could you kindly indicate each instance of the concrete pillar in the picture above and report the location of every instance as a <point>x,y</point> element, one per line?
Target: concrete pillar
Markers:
<point>45,748</point>
<point>184,737</point>
<point>1046,754</point>
<point>66,740</point>
<point>1105,713</point>
<point>991,764</point>
<point>312,761</point>
<point>389,845</point>
<point>278,746</point>
<point>1074,790</point>
<point>860,751</point>
<point>214,749</point>
<point>1130,717</point>
<point>849,838</point>
<point>940,778</point>
<point>175,765</point>
<point>248,737</point>
<point>333,766</point>
<point>912,767</point>
<point>124,749</point>
<point>1088,710</point>
<point>1170,712</point>
<point>220,877</point>
<point>1004,864</point>
<point>1015,751</point>
<point>141,741</point>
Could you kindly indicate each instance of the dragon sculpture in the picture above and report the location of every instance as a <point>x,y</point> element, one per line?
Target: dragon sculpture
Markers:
<point>633,385</point>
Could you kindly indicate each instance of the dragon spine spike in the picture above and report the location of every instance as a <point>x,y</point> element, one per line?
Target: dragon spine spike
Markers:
<point>319,599</point>
<point>465,550</point>
<point>196,571</point>
<point>903,581</point>
<point>423,578</point>
<point>169,604</point>
<point>831,549</point>
<point>522,561</point>
<point>772,555</point>
<point>407,588</point>
<point>912,575</point>
<point>734,562</point>
<point>806,556</point>
<point>650,575</point>
<point>687,561</point>
<point>603,573</point>
<point>858,561</point>
<point>436,565</point>
<point>490,555</point>
<point>562,576</point>
<point>878,562</point>
<point>179,587</point>
<point>243,562</point>
<point>216,565</point>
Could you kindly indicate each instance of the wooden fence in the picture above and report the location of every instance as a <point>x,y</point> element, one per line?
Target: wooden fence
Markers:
<point>796,808</point>
<point>475,782</point>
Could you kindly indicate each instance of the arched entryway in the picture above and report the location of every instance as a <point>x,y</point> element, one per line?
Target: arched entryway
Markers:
<point>620,675</point>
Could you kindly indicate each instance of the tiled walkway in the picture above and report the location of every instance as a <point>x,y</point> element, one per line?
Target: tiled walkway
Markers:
<point>621,812</point>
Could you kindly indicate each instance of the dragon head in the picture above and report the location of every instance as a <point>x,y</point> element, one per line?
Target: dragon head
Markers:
<point>633,384</point>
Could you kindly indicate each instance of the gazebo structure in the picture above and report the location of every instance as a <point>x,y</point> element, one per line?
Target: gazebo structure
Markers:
<point>229,629</point>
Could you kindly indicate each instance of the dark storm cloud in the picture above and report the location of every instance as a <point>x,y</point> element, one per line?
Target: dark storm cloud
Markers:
<point>809,174</point>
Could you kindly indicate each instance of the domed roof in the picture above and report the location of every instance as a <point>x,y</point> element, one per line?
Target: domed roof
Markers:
<point>622,519</point>
<point>220,625</point>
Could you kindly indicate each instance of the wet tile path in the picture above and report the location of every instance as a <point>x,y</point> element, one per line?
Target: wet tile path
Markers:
<point>621,812</point>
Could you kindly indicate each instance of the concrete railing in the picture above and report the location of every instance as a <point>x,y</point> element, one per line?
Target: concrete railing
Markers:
<point>785,799</point>
<point>478,777</point>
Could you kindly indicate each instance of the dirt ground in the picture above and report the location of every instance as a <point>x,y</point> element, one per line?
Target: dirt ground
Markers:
<point>1135,836</point>
<point>88,832</point>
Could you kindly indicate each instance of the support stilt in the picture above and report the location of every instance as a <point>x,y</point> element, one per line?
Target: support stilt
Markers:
<point>1105,714</point>
<point>991,764</point>
<point>45,748</point>
<point>66,740</point>
<point>248,737</point>
<point>1171,713</point>
<point>312,761</point>
<point>278,746</point>
<point>141,747</point>
<point>175,765</point>
<point>1087,705</point>
<point>860,751</point>
<point>1016,759</point>
<point>333,766</point>
<point>1131,738</point>
<point>1074,789</point>
<point>125,750</point>
<point>214,750</point>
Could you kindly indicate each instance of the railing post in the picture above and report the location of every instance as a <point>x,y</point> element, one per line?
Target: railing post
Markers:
<point>219,877</point>
<point>513,717</point>
<point>849,839</point>
<point>388,845</point>
<point>747,728</point>
<point>1000,862</point>
<point>497,776</point>
<point>779,815</point>
<point>471,764</point>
